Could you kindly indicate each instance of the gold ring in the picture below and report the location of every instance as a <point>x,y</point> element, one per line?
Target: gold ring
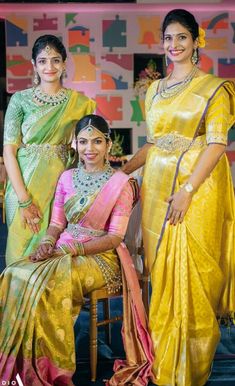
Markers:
<point>36,220</point>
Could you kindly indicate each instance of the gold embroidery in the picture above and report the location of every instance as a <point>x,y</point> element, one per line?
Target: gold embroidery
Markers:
<point>76,230</point>
<point>173,142</point>
<point>47,151</point>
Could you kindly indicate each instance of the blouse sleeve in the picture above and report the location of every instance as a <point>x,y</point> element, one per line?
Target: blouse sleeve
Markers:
<point>58,217</point>
<point>218,119</point>
<point>121,212</point>
<point>151,92</point>
<point>13,121</point>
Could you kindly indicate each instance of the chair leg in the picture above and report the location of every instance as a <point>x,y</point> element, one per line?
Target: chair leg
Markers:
<point>106,311</point>
<point>93,339</point>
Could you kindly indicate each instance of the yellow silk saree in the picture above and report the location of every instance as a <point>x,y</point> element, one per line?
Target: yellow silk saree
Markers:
<point>43,134</point>
<point>191,264</point>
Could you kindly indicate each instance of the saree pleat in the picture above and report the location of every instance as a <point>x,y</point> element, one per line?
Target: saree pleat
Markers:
<point>191,264</point>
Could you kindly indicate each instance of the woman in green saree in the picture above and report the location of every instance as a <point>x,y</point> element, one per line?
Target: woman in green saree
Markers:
<point>39,128</point>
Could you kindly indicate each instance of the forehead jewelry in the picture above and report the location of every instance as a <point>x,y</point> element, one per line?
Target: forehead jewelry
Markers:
<point>47,49</point>
<point>90,129</point>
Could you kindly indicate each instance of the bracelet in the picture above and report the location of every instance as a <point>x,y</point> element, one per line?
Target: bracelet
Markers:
<point>48,239</point>
<point>25,204</point>
<point>76,249</point>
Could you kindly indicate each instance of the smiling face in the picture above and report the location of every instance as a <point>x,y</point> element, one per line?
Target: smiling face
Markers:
<point>92,149</point>
<point>178,43</point>
<point>49,65</point>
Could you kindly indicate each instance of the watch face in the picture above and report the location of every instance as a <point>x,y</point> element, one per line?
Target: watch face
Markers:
<point>188,187</point>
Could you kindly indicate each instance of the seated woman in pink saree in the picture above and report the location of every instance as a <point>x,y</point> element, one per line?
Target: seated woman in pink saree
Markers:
<point>81,251</point>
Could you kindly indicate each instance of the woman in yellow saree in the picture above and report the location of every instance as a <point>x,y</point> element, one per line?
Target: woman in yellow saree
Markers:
<point>79,253</point>
<point>39,128</point>
<point>188,208</point>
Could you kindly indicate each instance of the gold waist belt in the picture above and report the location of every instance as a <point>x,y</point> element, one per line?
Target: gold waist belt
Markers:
<point>173,142</point>
<point>76,230</point>
<point>47,150</point>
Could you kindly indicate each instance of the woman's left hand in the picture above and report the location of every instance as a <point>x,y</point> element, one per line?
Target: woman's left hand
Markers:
<point>43,252</point>
<point>179,204</point>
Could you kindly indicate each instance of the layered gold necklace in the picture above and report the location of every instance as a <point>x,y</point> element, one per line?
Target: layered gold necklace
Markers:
<point>169,92</point>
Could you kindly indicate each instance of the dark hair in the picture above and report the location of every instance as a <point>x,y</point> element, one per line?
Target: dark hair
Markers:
<point>51,41</point>
<point>94,120</point>
<point>183,17</point>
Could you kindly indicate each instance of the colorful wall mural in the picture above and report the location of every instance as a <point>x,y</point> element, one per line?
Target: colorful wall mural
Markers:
<point>101,47</point>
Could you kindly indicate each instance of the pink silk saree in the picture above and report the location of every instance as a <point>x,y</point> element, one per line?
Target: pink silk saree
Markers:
<point>28,306</point>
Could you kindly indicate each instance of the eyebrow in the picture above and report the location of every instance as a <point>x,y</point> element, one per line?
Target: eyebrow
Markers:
<point>181,33</point>
<point>92,138</point>
<point>53,57</point>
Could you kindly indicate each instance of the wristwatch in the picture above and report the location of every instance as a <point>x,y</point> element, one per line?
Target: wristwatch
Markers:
<point>189,187</point>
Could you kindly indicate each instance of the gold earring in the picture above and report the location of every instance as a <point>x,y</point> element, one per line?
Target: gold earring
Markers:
<point>36,78</point>
<point>194,58</point>
<point>166,60</point>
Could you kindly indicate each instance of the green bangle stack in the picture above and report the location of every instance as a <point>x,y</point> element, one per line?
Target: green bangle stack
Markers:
<point>25,204</point>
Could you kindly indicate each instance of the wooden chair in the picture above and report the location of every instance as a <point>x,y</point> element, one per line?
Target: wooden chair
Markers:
<point>103,296</point>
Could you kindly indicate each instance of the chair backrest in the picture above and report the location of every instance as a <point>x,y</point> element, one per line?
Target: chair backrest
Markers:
<point>133,237</point>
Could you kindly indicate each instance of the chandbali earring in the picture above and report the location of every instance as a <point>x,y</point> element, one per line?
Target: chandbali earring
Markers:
<point>166,60</point>
<point>36,78</point>
<point>194,58</point>
<point>64,74</point>
<point>106,158</point>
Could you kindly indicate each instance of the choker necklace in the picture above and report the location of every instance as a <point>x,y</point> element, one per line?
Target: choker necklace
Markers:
<point>89,182</point>
<point>46,99</point>
<point>168,92</point>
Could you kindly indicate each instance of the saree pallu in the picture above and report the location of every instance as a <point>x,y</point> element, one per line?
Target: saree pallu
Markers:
<point>191,264</point>
<point>43,134</point>
<point>39,301</point>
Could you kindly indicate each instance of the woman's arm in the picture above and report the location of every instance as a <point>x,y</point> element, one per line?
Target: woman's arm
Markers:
<point>137,160</point>
<point>58,220</point>
<point>218,119</point>
<point>181,200</point>
<point>13,171</point>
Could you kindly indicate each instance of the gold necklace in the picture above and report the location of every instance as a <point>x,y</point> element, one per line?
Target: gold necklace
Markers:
<point>169,92</point>
<point>46,99</point>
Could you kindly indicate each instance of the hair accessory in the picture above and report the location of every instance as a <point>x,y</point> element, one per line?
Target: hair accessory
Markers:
<point>48,49</point>
<point>90,128</point>
<point>201,37</point>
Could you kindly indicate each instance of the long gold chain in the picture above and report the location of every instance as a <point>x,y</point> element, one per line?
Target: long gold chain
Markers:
<point>169,92</point>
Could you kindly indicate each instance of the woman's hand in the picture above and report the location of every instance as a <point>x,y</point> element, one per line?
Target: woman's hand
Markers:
<point>179,204</point>
<point>31,216</point>
<point>43,252</point>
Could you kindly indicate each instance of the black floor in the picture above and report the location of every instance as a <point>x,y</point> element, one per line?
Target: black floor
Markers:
<point>223,371</point>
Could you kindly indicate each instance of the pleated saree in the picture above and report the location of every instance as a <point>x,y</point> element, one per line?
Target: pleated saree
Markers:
<point>43,135</point>
<point>192,264</point>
